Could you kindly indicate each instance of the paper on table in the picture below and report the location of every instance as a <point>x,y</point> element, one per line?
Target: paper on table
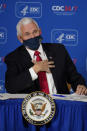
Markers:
<point>73,96</point>
<point>4,96</point>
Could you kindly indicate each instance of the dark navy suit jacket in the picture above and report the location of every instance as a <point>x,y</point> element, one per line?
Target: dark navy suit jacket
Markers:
<point>18,78</point>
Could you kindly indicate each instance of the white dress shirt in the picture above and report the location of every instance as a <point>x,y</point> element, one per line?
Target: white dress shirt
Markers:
<point>51,85</point>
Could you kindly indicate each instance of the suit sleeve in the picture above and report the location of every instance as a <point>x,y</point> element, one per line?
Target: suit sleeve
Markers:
<point>16,82</point>
<point>73,77</point>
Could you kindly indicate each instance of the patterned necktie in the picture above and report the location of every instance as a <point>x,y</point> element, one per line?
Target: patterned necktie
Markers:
<point>42,76</point>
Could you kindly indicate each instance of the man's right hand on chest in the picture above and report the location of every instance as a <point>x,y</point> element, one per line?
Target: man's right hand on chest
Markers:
<point>44,65</point>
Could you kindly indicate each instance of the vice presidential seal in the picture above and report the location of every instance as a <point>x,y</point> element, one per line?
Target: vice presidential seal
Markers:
<point>38,108</point>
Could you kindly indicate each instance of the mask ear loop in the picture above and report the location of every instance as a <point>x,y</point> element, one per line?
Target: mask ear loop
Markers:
<point>40,40</point>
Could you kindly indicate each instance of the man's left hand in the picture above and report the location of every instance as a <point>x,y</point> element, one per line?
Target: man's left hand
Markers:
<point>81,90</point>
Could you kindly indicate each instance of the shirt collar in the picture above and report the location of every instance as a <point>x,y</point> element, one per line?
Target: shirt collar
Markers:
<point>31,52</point>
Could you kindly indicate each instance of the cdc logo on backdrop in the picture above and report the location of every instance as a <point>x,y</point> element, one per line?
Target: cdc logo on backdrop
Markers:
<point>64,9</point>
<point>2,5</point>
<point>2,86</point>
<point>2,83</point>
<point>1,60</point>
<point>28,9</point>
<point>68,37</point>
<point>74,60</point>
<point>3,35</point>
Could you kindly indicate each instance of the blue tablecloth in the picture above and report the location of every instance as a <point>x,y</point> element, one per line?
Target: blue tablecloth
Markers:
<point>70,116</point>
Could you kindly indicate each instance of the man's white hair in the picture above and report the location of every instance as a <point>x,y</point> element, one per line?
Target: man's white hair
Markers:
<point>24,21</point>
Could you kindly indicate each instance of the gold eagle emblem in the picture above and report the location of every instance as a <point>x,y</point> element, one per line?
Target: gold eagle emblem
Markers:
<point>38,109</point>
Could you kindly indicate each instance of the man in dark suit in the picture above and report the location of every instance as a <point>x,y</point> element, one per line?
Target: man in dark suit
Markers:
<point>51,70</point>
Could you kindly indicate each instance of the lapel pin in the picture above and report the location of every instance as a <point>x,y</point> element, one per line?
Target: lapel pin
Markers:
<point>50,57</point>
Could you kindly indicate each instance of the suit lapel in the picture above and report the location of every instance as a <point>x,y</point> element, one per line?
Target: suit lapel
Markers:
<point>51,55</point>
<point>25,56</point>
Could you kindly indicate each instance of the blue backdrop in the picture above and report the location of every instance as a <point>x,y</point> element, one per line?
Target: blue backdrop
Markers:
<point>61,21</point>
